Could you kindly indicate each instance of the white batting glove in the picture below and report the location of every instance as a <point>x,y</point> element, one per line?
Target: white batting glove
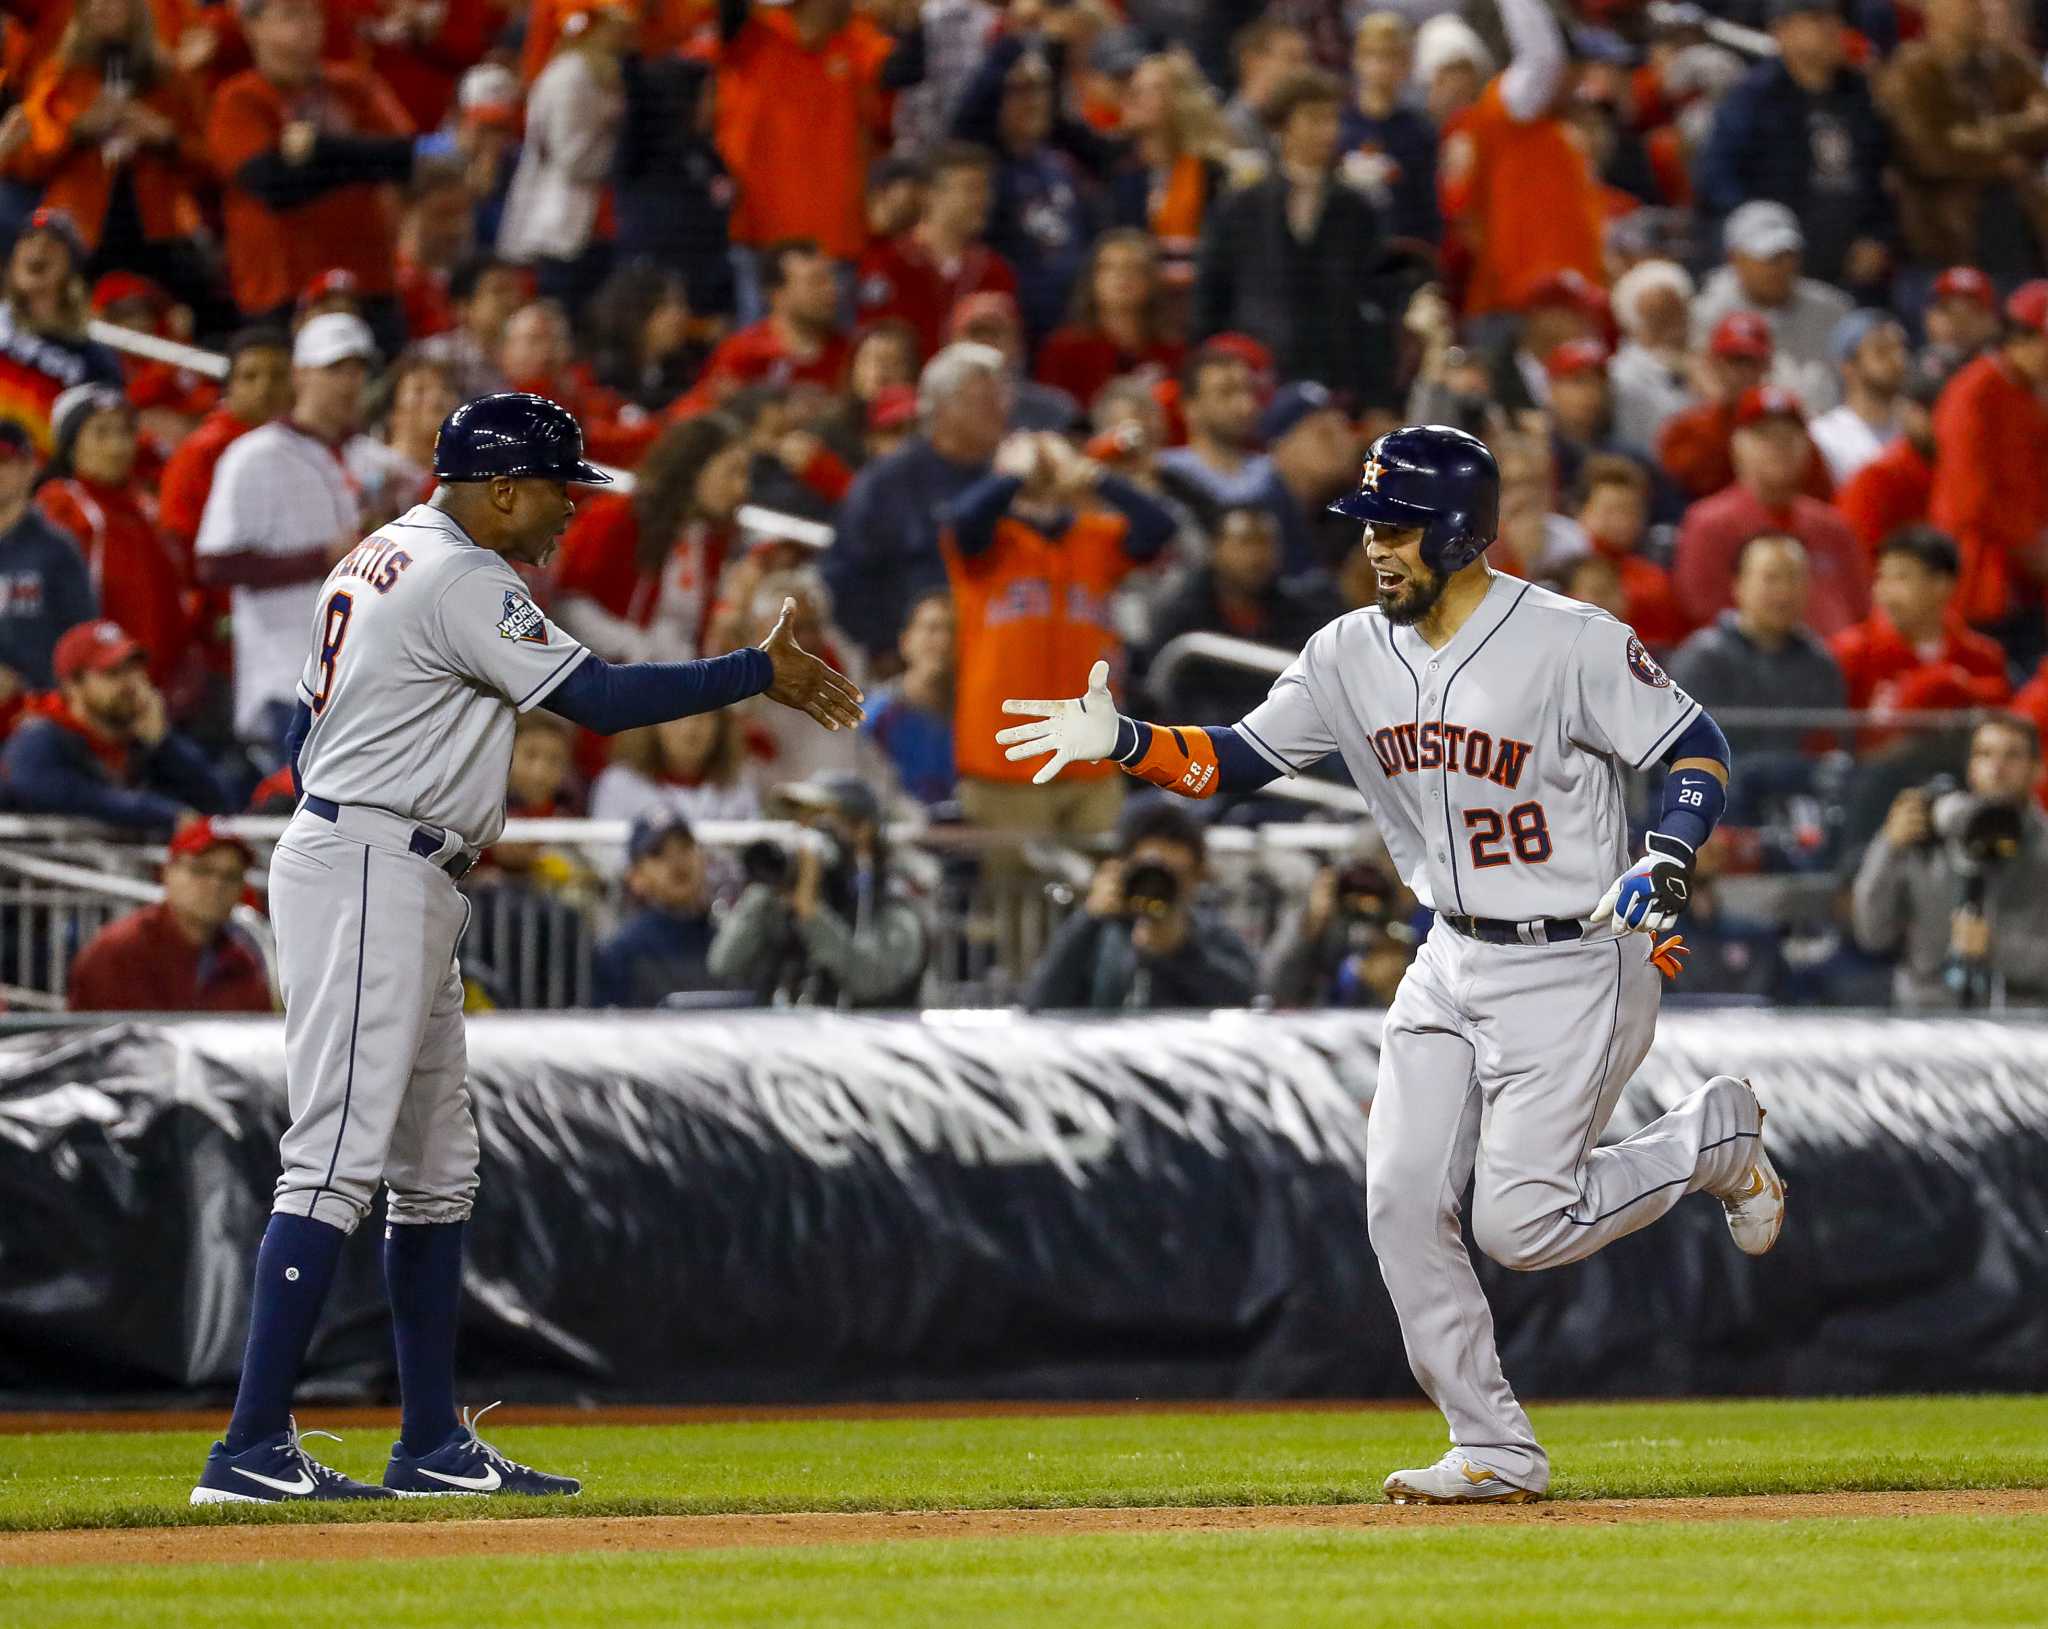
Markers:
<point>1081,731</point>
<point>1651,895</point>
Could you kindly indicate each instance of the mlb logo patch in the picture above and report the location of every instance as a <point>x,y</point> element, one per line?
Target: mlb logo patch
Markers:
<point>522,620</point>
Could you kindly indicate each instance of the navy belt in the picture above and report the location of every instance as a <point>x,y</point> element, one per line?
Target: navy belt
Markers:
<point>1494,930</point>
<point>426,843</point>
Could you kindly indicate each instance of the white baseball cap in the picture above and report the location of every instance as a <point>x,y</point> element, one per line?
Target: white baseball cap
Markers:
<point>1762,228</point>
<point>331,337</point>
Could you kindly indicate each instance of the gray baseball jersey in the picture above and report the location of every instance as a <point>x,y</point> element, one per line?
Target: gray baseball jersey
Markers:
<point>423,646</point>
<point>1493,769</point>
<point>1492,766</point>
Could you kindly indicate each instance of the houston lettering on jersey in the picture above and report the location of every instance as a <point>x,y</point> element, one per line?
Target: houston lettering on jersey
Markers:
<point>1405,748</point>
<point>377,561</point>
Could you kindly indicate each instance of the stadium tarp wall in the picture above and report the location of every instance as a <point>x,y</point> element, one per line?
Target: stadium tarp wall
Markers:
<point>801,1207</point>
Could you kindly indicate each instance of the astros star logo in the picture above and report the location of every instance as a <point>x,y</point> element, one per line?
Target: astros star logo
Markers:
<point>1374,469</point>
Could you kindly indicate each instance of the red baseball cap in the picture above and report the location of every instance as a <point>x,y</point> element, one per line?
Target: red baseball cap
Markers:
<point>1568,287</point>
<point>1575,356</point>
<point>893,407</point>
<point>94,647</point>
<point>1761,402</point>
<point>1742,335</point>
<point>335,280</point>
<point>202,836</point>
<point>1965,283</point>
<point>2027,305</point>
<point>123,288</point>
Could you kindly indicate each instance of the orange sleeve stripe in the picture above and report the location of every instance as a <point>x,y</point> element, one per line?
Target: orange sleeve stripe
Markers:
<point>1181,758</point>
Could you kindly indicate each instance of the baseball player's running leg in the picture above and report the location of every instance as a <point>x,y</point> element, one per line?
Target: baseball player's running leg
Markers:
<point>1558,1037</point>
<point>1555,1033</point>
<point>365,935</point>
<point>1421,1139</point>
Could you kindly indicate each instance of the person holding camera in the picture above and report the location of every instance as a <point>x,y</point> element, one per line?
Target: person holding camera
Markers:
<point>1348,944</point>
<point>1957,882</point>
<point>1142,940</point>
<point>823,922</point>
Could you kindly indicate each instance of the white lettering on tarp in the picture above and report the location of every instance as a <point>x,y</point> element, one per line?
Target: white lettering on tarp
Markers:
<point>1062,1107</point>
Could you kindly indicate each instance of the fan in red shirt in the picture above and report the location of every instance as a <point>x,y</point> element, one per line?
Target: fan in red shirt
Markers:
<point>170,400</point>
<point>1913,654</point>
<point>89,493</point>
<point>798,342</point>
<point>182,955</point>
<point>1614,512</point>
<point>1771,451</point>
<point>1693,447</point>
<point>1895,488</point>
<point>1118,323</point>
<point>537,354</point>
<point>1990,475</point>
<point>921,274</point>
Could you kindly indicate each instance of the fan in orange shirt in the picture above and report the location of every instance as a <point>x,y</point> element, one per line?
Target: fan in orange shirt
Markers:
<point>1516,186</point>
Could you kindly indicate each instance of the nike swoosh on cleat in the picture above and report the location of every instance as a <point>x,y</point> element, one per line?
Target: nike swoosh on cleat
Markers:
<point>303,1485</point>
<point>489,1482</point>
<point>1478,1473</point>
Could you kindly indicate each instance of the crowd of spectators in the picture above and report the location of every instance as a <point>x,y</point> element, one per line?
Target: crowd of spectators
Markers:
<point>1004,337</point>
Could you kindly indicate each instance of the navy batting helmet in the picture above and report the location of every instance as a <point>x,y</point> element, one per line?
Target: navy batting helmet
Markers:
<point>1435,477</point>
<point>513,433</point>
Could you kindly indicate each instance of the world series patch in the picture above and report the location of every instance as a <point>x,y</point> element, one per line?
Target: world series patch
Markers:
<point>1644,667</point>
<point>522,620</point>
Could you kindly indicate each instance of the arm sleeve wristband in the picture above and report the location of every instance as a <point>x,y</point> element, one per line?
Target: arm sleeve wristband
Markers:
<point>1192,760</point>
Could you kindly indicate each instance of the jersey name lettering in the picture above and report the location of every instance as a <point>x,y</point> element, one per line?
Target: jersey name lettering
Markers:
<point>1403,749</point>
<point>376,561</point>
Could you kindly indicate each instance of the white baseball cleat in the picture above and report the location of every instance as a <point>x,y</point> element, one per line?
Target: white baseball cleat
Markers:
<point>1756,1205</point>
<point>1456,1480</point>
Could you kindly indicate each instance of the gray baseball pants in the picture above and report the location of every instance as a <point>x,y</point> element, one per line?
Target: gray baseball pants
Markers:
<point>1501,1065</point>
<point>375,1064</point>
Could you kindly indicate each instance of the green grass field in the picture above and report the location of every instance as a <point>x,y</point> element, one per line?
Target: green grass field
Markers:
<point>1925,1571</point>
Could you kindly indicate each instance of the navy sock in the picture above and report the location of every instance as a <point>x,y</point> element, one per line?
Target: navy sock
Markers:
<point>423,1276</point>
<point>294,1267</point>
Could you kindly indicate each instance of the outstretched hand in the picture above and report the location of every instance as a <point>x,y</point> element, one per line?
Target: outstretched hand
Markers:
<point>1079,731</point>
<point>806,682</point>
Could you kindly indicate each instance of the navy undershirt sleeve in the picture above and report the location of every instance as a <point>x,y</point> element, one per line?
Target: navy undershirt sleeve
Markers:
<point>608,697</point>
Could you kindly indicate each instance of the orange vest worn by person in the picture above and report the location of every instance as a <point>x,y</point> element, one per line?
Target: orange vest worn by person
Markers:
<point>1523,198</point>
<point>1033,612</point>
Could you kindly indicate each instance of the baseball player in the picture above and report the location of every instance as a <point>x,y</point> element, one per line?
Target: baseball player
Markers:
<point>425,645</point>
<point>1488,723</point>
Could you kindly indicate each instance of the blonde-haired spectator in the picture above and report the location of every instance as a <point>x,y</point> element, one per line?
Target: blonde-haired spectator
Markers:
<point>1389,147</point>
<point>1180,144</point>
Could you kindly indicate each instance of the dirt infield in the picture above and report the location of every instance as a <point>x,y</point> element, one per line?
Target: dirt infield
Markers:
<point>406,1541</point>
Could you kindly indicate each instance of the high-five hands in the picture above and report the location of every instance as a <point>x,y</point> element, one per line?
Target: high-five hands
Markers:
<point>806,682</point>
<point>1081,731</point>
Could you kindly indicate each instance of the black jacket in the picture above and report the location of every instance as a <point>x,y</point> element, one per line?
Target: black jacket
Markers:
<point>1091,964</point>
<point>1823,157</point>
<point>1322,307</point>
